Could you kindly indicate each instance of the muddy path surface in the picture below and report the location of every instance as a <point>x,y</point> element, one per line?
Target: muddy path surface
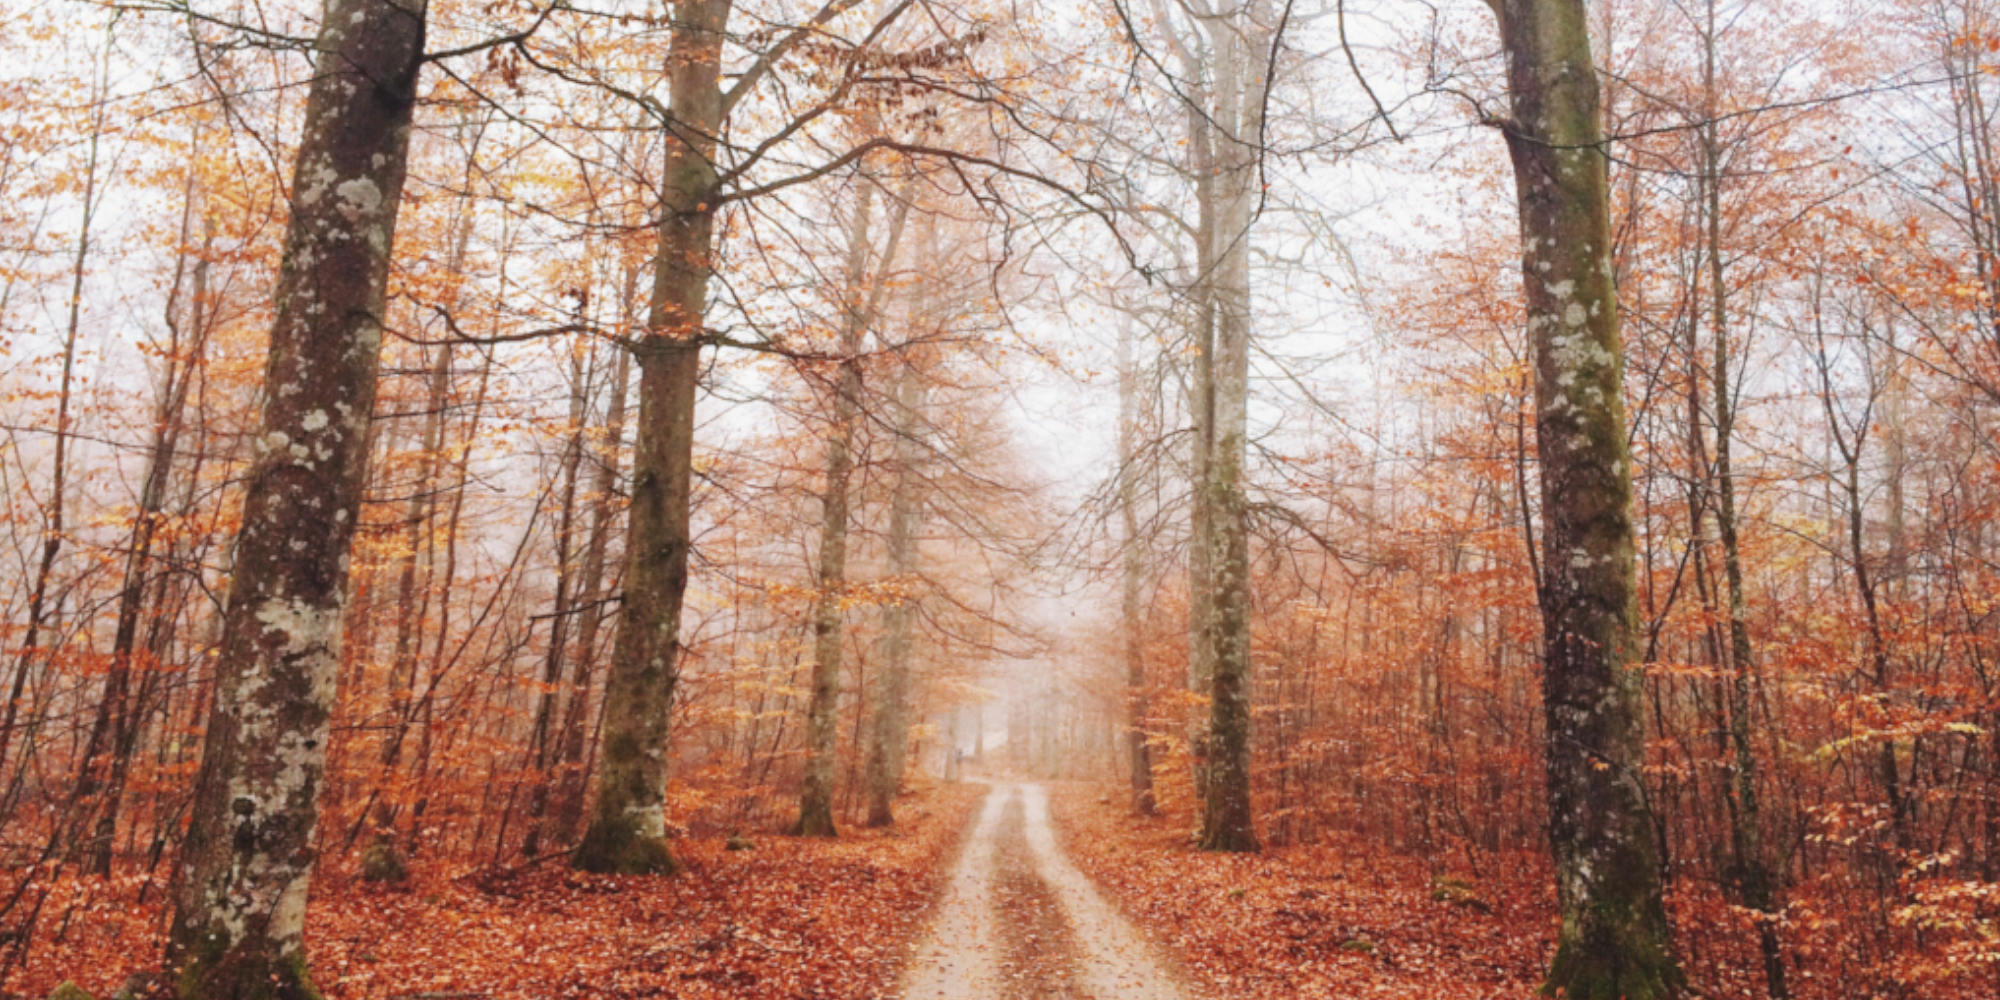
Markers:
<point>1018,921</point>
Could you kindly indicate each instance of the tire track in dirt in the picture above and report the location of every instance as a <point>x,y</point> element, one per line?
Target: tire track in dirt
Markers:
<point>1019,921</point>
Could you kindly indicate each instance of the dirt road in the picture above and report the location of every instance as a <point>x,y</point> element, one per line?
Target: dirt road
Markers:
<point>1020,922</point>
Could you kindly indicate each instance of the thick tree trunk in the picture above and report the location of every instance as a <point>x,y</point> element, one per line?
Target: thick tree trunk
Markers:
<point>628,827</point>
<point>240,890</point>
<point>1227,822</point>
<point>1613,942</point>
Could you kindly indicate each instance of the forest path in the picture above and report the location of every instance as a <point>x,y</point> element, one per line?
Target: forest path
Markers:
<point>1020,922</point>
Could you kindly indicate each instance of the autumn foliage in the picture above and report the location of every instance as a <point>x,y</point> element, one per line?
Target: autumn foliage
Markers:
<point>945,235</point>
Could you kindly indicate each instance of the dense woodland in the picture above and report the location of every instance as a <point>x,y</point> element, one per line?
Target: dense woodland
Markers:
<point>1540,442</point>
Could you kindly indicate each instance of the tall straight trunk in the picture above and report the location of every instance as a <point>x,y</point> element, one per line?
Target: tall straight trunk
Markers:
<point>888,748</point>
<point>1227,821</point>
<point>628,826</point>
<point>1755,881</point>
<point>541,744</point>
<point>568,809</point>
<point>114,730</point>
<point>1613,941</point>
<point>412,594</point>
<point>1133,561</point>
<point>1194,56</point>
<point>823,712</point>
<point>1201,404</point>
<point>240,890</point>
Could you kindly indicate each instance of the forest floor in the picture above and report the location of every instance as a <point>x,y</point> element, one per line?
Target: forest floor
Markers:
<point>1308,921</point>
<point>788,918</point>
<point>1001,891</point>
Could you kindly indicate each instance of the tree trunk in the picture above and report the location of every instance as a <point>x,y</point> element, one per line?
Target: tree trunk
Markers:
<point>1613,942</point>
<point>1201,294</point>
<point>568,810</point>
<point>240,890</point>
<point>1140,758</point>
<point>1755,881</point>
<point>542,741</point>
<point>1227,823</point>
<point>889,747</point>
<point>628,826</point>
<point>822,713</point>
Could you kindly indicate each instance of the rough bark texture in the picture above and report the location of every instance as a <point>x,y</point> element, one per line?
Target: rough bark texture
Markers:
<point>1226,822</point>
<point>628,827</point>
<point>240,889</point>
<point>1613,942</point>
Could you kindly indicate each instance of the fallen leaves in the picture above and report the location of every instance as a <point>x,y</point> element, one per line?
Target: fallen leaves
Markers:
<point>785,919</point>
<point>1310,921</point>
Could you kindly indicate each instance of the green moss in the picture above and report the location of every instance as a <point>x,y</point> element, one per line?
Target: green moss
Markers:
<point>382,862</point>
<point>1358,947</point>
<point>1458,891</point>
<point>616,848</point>
<point>67,990</point>
<point>139,985</point>
<point>214,972</point>
<point>1614,958</point>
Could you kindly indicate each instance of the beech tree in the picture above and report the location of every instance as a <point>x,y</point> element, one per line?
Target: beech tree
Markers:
<point>1614,941</point>
<point>1295,490</point>
<point>246,864</point>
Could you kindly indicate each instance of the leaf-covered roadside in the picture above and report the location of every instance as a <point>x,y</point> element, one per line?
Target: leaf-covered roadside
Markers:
<point>1307,921</point>
<point>788,918</point>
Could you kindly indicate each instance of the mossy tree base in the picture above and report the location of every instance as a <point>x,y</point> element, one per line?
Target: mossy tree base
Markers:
<point>383,862</point>
<point>815,823</point>
<point>615,848</point>
<point>1606,970</point>
<point>249,971</point>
